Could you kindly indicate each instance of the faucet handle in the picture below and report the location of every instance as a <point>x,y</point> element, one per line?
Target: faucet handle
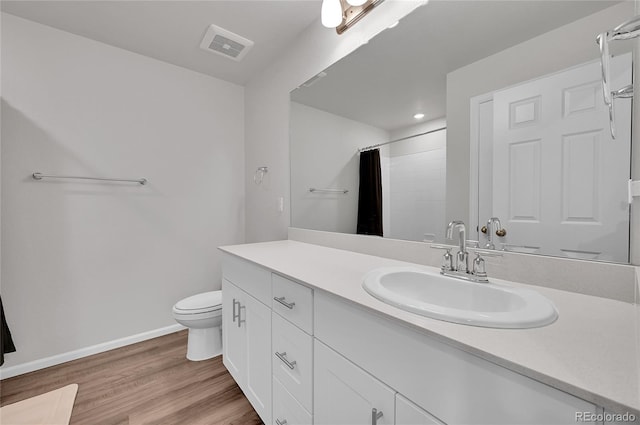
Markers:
<point>447,261</point>
<point>479,268</point>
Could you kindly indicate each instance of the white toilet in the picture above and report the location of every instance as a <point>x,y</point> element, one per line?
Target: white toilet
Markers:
<point>202,314</point>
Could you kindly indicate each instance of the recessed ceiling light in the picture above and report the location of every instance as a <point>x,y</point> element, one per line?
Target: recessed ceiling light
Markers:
<point>418,116</point>
<point>395,24</point>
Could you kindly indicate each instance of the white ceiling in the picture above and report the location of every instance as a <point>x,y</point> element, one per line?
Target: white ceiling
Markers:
<point>403,70</point>
<point>171,31</point>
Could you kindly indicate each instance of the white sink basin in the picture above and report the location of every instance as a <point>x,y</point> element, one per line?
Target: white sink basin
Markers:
<point>440,297</point>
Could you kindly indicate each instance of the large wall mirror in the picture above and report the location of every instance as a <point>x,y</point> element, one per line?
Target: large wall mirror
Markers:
<point>472,110</point>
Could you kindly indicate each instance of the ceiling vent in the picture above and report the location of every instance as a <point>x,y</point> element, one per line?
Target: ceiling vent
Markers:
<point>222,42</point>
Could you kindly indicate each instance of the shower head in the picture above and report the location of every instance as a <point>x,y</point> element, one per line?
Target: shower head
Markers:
<point>626,30</point>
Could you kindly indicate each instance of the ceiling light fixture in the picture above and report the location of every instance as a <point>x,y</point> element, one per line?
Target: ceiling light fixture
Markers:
<point>395,24</point>
<point>331,14</point>
<point>343,14</point>
<point>418,116</point>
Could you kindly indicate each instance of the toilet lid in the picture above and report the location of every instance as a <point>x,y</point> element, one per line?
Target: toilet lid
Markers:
<point>207,300</point>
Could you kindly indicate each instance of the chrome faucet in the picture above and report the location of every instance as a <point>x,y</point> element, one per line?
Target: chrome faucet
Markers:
<point>462,259</point>
<point>460,267</point>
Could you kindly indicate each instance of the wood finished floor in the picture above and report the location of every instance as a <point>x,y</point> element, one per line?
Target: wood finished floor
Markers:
<point>150,382</point>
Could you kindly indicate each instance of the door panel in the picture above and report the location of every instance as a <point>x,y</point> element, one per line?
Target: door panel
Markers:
<point>559,179</point>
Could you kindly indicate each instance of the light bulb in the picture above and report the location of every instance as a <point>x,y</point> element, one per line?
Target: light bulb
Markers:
<point>356,2</point>
<point>418,116</point>
<point>331,15</point>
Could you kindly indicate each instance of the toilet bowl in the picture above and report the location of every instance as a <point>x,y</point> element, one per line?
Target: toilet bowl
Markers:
<point>202,314</point>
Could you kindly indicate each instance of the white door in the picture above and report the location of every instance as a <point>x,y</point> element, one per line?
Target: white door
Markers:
<point>233,336</point>
<point>559,180</point>
<point>256,317</point>
<point>344,394</point>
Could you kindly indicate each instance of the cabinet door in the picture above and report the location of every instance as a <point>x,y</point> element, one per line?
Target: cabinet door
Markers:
<point>256,318</point>
<point>233,338</point>
<point>408,413</point>
<point>344,394</point>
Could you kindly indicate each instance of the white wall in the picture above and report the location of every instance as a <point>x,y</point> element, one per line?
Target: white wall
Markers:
<point>554,51</point>
<point>324,155</point>
<point>417,188</point>
<point>85,263</point>
<point>267,111</point>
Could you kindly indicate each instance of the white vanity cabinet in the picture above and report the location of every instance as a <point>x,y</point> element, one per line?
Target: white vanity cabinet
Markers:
<point>246,330</point>
<point>268,342</point>
<point>304,356</point>
<point>448,383</point>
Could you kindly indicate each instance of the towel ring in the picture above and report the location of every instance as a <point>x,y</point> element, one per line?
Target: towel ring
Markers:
<point>258,176</point>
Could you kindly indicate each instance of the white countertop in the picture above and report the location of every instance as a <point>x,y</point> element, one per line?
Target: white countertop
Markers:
<point>592,351</point>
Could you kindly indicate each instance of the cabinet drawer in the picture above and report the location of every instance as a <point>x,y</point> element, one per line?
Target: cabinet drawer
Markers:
<point>292,359</point>
<point>286,410</point>
<point>249,277</point>
<point>294,302</point>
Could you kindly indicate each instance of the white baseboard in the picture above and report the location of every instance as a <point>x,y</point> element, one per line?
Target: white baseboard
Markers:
<point>84,352</point>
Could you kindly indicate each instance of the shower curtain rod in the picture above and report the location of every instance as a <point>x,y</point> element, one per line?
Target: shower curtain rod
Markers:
<point>368,148</point>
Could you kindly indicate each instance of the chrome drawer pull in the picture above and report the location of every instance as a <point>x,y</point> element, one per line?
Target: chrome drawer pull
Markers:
<point>240,319</point>
<point>284,303</point>
<point>235,315</point>
<point>281,422</point>
<point>283,356</point>
<point>375,415</point>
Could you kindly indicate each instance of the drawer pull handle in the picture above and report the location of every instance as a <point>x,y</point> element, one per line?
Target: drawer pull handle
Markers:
<point>235,315</point>
<point>283,357</point>
<point>240,319</point>
<point>375,415</point>
<point>284,303</point>
<point>281,422</point>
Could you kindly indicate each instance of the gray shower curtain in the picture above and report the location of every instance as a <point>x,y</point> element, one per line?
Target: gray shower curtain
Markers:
<point>370,194</point>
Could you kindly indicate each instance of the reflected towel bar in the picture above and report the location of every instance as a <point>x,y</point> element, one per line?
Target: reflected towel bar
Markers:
<point>40,176</point>
<point>314,190</point>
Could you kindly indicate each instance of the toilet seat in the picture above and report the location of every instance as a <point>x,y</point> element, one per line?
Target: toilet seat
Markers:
<point>206,302</point>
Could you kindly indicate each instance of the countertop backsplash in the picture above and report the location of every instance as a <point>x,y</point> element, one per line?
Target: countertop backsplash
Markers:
<point>619,282</point>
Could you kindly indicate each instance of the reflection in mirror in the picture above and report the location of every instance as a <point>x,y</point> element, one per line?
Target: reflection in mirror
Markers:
<point>513,126</point>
